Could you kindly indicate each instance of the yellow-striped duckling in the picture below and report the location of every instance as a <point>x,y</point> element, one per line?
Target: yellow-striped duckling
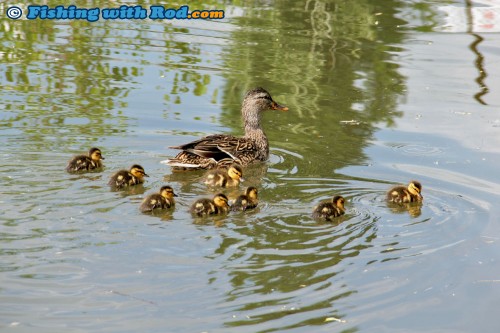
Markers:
<point>130,177</point>
<point>86,162</point>
<point>402,194</point>
<point>330,209</point>
<point>225,177</point>
<point>216,206</point>
<point>249,200</point>
<point>161,200</point>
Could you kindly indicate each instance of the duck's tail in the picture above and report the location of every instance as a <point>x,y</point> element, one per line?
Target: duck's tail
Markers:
<point>185,160</point>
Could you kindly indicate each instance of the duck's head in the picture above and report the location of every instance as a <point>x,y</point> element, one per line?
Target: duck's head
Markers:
<point>339,201</point>
<point>220,200</point>
<point>251,192</point>
<point>167,192</point>
<point>415,188</point>
<point>95,154</point>
<point>259,99</point>
<point>138,171</point>
<point>235,172</point>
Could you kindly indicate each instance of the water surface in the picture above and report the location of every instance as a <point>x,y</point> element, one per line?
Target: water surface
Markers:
<point>379,94</point>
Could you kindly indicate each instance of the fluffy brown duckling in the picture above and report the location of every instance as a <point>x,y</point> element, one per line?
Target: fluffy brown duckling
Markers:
<point>130,177</point>
<point>225,177</point>
<point>216,206</point>
<point>210,151</point>
<point>402,194</point>
<point>162,200</point>
<point>86,162</point>
<point>249,200</point>
<point>330,209</point>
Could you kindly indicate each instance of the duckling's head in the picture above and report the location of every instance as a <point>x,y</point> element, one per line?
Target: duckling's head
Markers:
<point>251,192</point>
<point>235,172</point>
<point>221,200</point>
<point>339,201</point>
<point>259,99</point>
<point>138,171</point>
<point>415,188</point>
<point>167,192</point>
<point>95,154</point>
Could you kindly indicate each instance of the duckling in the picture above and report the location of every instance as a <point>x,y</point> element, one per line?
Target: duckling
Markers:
<point>128,178</point>
<point>86,162</point>
<point>162,200</point>
<point>401,194</point>
<point>225,177</point>
<point>246,201</point>
<point>203,207</point>
<point>330,209</point>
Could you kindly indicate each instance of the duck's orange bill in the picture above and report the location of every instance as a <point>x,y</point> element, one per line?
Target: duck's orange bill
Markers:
<point>276,106</point>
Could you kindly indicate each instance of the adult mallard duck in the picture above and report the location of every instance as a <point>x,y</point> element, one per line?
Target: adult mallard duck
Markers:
<point>130,177</point>
<point>221,149</point>
<point>162,200</point>
<point>402,194</point>
<point>86,162</point>
<point>249,200</point>
<point>225,177</point>
<point>216,206</point>
<point>330,209</point>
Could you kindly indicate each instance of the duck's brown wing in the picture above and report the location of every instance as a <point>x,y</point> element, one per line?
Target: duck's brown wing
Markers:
<point>209,146</point>
<point>219,147</point>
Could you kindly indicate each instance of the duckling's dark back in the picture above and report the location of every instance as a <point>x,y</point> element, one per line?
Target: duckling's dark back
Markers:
<point>326,211</point>
<point>152,202</point>
<point>203,207</point>
<point>85,162</point>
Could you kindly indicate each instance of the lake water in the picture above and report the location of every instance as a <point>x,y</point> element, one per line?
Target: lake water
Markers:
<point>379,92</point>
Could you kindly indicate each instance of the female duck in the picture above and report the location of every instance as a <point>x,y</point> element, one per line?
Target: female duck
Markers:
<point>329,210</point>
<point>216,206</point>
<point>225,177</point>
<point>131,177</point>
<point>162,200</point>
<point>86,162</point>
<point>214,150</point>
<point>249,200</point>
<point>402,194</point>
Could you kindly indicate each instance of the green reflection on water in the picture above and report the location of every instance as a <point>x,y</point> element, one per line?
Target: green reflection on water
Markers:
<point>332,64</point>
<point>67,82</point>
